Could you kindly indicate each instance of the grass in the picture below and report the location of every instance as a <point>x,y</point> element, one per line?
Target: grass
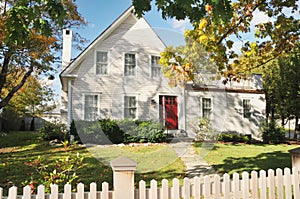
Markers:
<point>154,162</point>
<point>17,149</point>
<point>230,158</point>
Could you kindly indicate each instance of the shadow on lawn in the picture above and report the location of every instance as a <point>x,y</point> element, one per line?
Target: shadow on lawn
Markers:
<point>263,161</point>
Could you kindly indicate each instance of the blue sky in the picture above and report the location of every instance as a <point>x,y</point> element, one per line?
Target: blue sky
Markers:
<point>100,14</point>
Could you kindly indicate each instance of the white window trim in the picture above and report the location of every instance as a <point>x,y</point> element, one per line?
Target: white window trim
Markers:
<point>150,66</point>
<point>212,106</point>
<point>95,63</point>
<point>137,105</point>
<point>83,103</point>
<point>136,64</point>
<point>251,106</point>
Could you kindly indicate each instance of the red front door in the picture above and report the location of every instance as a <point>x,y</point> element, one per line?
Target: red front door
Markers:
<point>169,111</point>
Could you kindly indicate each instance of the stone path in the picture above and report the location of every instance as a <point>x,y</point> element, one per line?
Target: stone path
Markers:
<point>195,165</point>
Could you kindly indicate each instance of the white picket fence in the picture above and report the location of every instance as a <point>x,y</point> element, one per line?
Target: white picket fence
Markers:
<point>281,184</point>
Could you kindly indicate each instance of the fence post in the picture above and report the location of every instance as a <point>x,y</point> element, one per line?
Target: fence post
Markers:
<point>295,153</point>
<point>123,177</point>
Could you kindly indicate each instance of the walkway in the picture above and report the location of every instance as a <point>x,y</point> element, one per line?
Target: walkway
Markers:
<point>195,164</point>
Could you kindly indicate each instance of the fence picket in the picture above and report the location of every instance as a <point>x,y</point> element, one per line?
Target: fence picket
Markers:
<point>1,192</point>
<point>217,186</point>
<point>236,186</point>
<point>26,192</point>
<point>153,189</point>
<point>207,187</point>
<point>54,191</point>
<point>296,182</point>
<point>287,183</point>
<point>67,191</point>
<point>187,188</point>
<point>142,189</point>
<point>165,189</point>
<point>263,184</point>
<point>245,184</point>
<point>254,184</point>
<point>279,184</point>
<point>80,191</point>
<point>227,182</point>
<point>40,192</point>
<point>93,191</point>
<point>271,183</point>
<point>197,188</point>
<point>12,192</point>
<point>105,191</point>
<point>176,189</point>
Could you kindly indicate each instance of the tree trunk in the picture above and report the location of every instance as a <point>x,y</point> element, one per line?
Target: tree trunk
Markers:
<point>296,127</point>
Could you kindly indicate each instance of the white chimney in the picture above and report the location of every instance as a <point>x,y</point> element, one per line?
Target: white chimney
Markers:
<point>67,45</point>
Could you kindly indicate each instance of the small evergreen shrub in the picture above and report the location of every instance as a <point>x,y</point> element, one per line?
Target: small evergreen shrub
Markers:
<point>54,131</point>
<point>109,131</point>
<point>234,137</point>
<point>272,133</point>
<point>146,131</point>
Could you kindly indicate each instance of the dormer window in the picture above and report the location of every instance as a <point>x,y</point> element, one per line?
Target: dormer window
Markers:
<point>101,63</point>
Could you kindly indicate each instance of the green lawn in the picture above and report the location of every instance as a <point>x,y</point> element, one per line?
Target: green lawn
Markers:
<point>230,158</point>
<point>154,162</point>
<point>18,149</point>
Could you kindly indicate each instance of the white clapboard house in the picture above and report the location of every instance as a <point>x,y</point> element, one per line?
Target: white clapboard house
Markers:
<point>117,76</point>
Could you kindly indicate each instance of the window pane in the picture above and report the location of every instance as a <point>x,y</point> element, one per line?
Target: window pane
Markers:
<point>130,107</point>
<point>155,67</point>
<point>206,107</point>
<point>246,108</point>
<point>130,64</point>
<point>90,107</point>
<point>101,56</point>
<point>102,63</point>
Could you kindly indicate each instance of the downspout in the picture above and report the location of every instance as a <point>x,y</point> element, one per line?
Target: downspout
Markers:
<point>183,109</point>
<point>69,103</point>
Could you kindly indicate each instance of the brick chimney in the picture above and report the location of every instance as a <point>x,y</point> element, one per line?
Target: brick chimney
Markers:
<point>67,45</point>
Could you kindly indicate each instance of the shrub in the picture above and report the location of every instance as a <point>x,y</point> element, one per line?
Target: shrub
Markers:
<point>109,131</point>
<point>54,131</point>
<point>145,131</point>
<point>233,137</point>
<point>272,133</point>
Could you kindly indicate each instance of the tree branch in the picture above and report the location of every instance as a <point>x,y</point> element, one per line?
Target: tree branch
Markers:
<point>6,99</point>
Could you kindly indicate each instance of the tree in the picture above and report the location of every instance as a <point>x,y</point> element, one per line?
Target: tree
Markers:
<point>282,87</point>
<point>219,25</point>
<point>32,99</point>
<point>187,63</point>
<point>30,33</point>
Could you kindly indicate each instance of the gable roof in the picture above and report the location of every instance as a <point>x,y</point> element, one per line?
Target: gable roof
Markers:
<point>99,39</point>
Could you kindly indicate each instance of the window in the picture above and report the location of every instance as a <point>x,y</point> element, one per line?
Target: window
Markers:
<point>155,67</point>
<point>130,107</point>
<point>206,107</point>
<point>101,63</point>
<point>91,107</point>
<point>130,65</point>
<point>246,108</point>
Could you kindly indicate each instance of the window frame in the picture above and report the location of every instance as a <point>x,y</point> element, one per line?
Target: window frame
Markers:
<point>203,108</point>
<point>84,106</point>
<point>126,107</point>
<point>246,110</point>
<point>154,66</point>
<point>107,68</point>
<point>124,64</point>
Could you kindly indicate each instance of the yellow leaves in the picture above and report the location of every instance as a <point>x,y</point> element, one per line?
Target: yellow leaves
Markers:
<point>203,39</point>
<point>203,24</point>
